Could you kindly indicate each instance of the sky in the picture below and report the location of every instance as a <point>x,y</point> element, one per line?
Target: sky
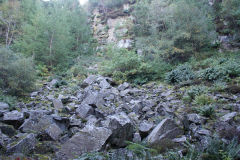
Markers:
<point>82,2</point>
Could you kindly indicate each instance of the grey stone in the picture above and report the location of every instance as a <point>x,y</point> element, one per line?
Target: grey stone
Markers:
<point>228,117</point>
<point>166,129</point>
<point>14,118</point>
<point>195,118</point>
<point>104,84</point>
<point>145,126</point>
<point>7,129</point>
<point>123,86</point>
<point>84,110</point>
<point>57,103</point>
<point>204,132</point>
<point>180,140</point>
<point>89,139</point>
<point>3,106</point>
<point>52,132</point>
<point>88,81</point>
<point>122,129</point>
<point>137,137</point>
<point>24,144</point>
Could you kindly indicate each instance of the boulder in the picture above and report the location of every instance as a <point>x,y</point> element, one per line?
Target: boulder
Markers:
<point>122,129</point>
<point>24,144</point>
<point>166,129</point>
<point>194,118</point>
<point>14,118</point>
<point>88,81</point>
<point>123,86</point>
<point>7,130</point>
<point>94,99</point>
<point>3,106</point>
<point>104,84</point>
<point>84,110</point>
<point>89,139</point>
<point>44,125</point>
<point>145,127</point>
<point>57,103</point>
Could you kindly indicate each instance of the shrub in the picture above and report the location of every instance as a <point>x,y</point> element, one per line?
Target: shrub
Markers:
<point>124,65</point>
<point>194,91</point>
<point>203,100</point>
<point>214,73</point>
<point>218,150</point>
<point>181,74</point>
<point>17,74</point>
<point>207,111</point>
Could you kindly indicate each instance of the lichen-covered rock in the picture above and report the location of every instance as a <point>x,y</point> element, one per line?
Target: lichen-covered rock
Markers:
<point>14,118</point>
<point>228,117</point>
<point>7,129</point>
<point>57,103</point>
<point>3,106</point>
<point>122,129</point>
<point>24,144</point>
<point>89,139</point>
<point>166,129</point>
<point>84,110</point>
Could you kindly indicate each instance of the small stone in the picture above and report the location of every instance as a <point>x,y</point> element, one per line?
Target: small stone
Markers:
<point>228,117</point>
<point>57,104</point>
<point>204,132</point>
<point>3,106</point>
<point>195,118</point>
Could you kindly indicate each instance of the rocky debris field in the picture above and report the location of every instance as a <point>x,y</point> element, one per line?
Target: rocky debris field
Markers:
<point>101,116</point>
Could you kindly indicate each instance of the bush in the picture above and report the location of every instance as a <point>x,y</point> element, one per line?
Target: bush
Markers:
<point>194,91</point>
<point>17,74</point>
<point>181,74</point>
<point>124,65</point>
<point>203,100</point>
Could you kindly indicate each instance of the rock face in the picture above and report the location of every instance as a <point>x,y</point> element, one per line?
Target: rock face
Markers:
<point>89,139</point>
<point>166,129</point>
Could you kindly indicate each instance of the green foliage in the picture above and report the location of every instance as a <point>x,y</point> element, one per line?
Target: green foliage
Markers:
<point>126,65</point>
<point>218,150</point>
<point>17,74</point>
<point>181,74</point>
<point>107,3</point>
<point>230,12</point>
<point>140,151</point>
<point>55,33</point>
<point>206,111</point>
<point>203,100</point>
<point>93,156</point>
<point>173,29</point>
<point>10,100</point>
<point>194,91</point>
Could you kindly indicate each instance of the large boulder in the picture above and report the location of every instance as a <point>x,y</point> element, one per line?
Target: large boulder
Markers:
<point>84,110</point>
<point>7,129</point>
<point>57,103</point>
<point>44,125</point>
<point>24,144</point>
<point>122,129</point>
<point>14,118</point>
<point>165,130</point>
<point>89,139</point>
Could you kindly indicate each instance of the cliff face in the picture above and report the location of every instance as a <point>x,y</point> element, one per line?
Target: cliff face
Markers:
<point>113,25</point>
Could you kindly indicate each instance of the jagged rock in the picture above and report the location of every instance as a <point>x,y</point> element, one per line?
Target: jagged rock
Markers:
<point>145,127</point>
<point>94,99</point>
<point>166,129</point>
<point>24,144</point>
<point>53,82</point>
<point>44,125</point>
<point>137,137</point>
<point>180,140</point>
<point>122,129</point>
<point>7,129</point>
<point>4,140</point>
<point>195,118</point>
<point>57,103</point>
<point>14,118</point>
<point>123,86</point>
<point>3,106</point>
<point>52,132</point>
<point>89,139</point>
<point>104,84</point>
<point>75,122</point>
<point>203,131</point>
<point>88,81</point>
<point>84,110</point>
<point>228,117</point>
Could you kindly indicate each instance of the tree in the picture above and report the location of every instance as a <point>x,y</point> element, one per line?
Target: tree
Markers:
<point>9,20</point>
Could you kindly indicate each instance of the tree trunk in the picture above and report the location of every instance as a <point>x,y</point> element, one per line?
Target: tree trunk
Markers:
<point>50,48</point>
